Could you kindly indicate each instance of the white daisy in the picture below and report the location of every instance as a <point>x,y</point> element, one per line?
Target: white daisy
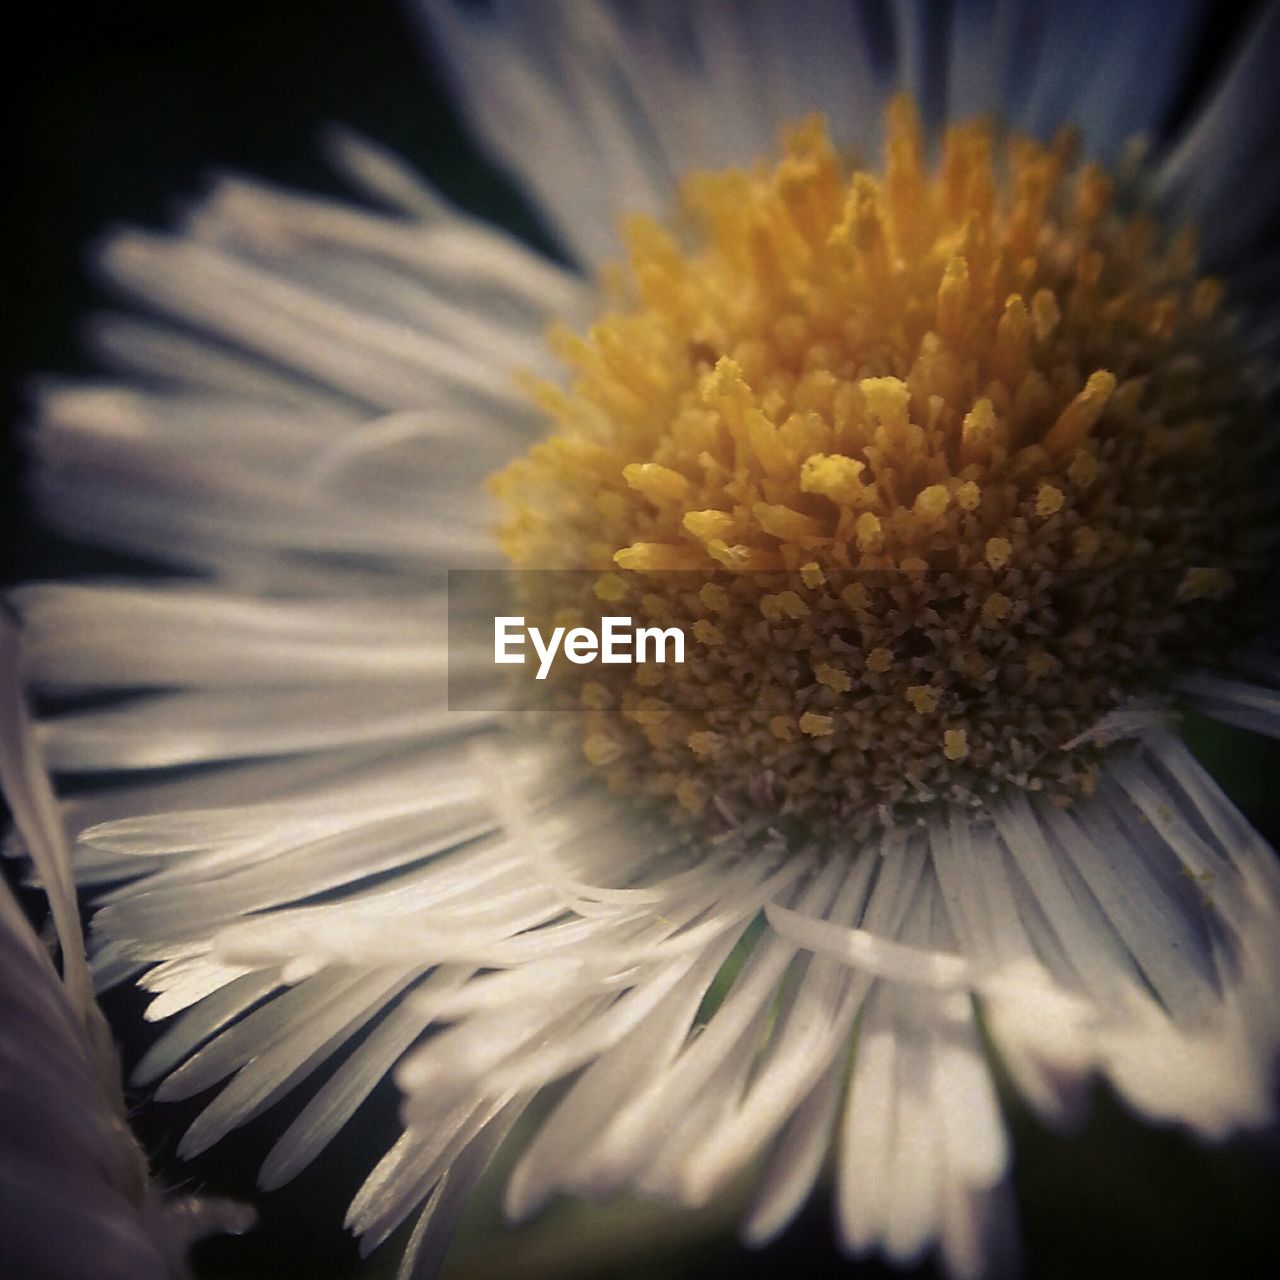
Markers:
<point>75,1198</point>
<point>1002,373</point>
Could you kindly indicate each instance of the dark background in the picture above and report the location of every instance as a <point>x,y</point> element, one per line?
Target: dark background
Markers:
<point>123,107</point>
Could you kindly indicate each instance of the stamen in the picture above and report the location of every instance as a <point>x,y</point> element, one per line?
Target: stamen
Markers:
<point>935,471</point>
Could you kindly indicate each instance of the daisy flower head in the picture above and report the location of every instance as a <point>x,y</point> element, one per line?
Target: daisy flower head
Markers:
<point>883,363</point>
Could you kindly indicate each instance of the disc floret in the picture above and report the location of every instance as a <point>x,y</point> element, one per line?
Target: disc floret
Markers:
<point>936,469</point>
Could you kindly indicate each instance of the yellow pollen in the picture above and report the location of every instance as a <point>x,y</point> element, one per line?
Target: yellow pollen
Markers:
<point>833,677</point>
<point>714,597</point>
<point>879,660</point>
<point>1048,500</point>
<point>932,502</point>
<point>980,433</point>
<point>782,728</point>
<point>833,476</point>
<point>705,743</point>
<point>784,605</point>
<point>887,401</point>
<point>817,726</point>
<point>867,531</point>
<point>812,576</point>
<point>661,484</point>
<point>998,552</point>
<point>785,523</point>
<point>706,632</point>
<point>611,588</point>
<point>1079,417</point>
<point>975,441</point>
<point>923,697</point>
<point>996,607</point>
<point>708,526</point>
<point>650,556</point>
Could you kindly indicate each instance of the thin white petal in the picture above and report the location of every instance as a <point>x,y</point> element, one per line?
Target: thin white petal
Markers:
<point>1220,174</point>
<point>1250,706</point>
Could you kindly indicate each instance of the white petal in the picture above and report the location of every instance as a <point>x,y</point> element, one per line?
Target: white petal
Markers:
<point>1112,70</point>
<point>434,1229</point>
<point>797,1160</point>
<point>1220,175</point>
<point>341,1095</point>
<point>164,730</point>
<point>197,1025</point>
<point>106,637</point>
<point>1247,705</point>
<point>29,795</point>
<point>813,1032</point>
<point>597,111</point>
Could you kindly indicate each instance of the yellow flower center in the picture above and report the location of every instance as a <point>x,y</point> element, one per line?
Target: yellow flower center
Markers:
<point>934,469</point>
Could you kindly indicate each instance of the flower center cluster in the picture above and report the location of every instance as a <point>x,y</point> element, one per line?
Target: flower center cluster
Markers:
<point>934,469</point>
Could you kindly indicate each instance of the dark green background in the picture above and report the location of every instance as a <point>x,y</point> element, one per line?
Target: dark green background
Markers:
<point>122,108</point>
